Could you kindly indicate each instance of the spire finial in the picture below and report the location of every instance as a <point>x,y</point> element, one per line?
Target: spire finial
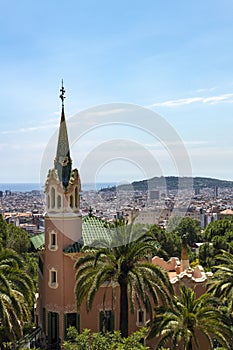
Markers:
<point>62,91</point>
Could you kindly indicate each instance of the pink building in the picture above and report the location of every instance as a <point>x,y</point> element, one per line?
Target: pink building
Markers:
<point>65,233</point>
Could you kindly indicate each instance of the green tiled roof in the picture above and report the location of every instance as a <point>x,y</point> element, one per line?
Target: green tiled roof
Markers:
<point>74,248</point>
<point>94,230</point>
<point>38,241</point>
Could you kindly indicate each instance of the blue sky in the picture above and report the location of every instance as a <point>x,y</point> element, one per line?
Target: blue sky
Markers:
<point>173,57</point>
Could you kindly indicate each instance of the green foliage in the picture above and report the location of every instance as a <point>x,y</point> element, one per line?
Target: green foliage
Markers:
<point>16,295</point>
<point>207,255</point>
<point>173,223</point>
<point>189,227</point>
<point>170,240</point>
<point>108,341</point>
<point>3,231</point>
<point>218,236</point>
<point>218,228</point>
<point>31,266</point>
<point>169,243</point>
<point>186,317</point>
<point>221,285</point>
<point>18,239</point>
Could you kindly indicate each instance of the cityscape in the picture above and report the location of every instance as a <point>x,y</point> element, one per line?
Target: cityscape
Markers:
<point>146,207</point>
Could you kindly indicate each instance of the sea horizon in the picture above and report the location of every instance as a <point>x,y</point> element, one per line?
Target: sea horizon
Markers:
<point>33,186</point>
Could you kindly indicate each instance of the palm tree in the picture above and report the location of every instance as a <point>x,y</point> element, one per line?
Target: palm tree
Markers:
<point>124,261</point>
<point>221,285</point>
<point>180,323</point>
<point>16,296</point>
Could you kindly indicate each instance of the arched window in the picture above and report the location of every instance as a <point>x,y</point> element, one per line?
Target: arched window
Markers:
<point>53,240</point>
<point>59,201</point>
<point>71,201</point>
<point>48,201</point>
<point>76,197</point>
<point>141,317</point>
<point>53,282</point>
<point>53,197</point>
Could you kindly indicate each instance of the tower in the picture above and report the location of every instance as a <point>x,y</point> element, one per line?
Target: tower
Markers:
<point>63,227</point>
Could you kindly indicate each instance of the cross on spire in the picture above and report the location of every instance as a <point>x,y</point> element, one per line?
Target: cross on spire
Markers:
<point>62,95</point>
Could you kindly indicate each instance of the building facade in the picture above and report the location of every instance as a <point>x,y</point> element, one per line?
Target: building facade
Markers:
<point>65,233</point>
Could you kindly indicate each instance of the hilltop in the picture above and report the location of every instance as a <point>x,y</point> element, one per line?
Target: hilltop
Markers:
<point>173,183</point>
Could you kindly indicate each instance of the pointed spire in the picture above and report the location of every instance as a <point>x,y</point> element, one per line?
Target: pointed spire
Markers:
<point>63,161</point>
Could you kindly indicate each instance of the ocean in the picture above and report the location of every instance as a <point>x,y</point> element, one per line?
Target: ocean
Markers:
<point>28,187</point>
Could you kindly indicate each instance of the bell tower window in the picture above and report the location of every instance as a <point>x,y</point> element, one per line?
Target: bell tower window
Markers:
<point>59,201</point>
<point>53,240</point>
<point>76,197</point>
<point>53,278</point>
<point>71,201</point>
<point>53,197</point>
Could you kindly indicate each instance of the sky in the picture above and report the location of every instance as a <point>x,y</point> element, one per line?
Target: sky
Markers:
<point>172,58</point>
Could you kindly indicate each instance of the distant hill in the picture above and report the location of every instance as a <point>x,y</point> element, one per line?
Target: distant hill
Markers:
<point>173,183</point>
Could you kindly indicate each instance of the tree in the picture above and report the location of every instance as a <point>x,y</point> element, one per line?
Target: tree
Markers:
<point>180,323</point>
<point>3,231</point>
<point>218,228</point>
<point>218,236</point>
<point>125,261</point>
<point>169,243</point>
<point>207,255</point>
<point>16,296</point>
<point>18,239</point>
<point>189,227</point>
<point>173,222</point>
<point>109,341</point>
<point>221,285</point>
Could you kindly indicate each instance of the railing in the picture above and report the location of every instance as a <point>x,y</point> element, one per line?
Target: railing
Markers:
<point>31,340</point>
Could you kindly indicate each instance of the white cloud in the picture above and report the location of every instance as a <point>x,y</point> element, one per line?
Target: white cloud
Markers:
<point>222,98</point>
<point>206,89</point>
<point>190,143</point>
<point>30,129</point>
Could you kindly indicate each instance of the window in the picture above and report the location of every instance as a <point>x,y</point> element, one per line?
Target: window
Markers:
<point>106,321</point>
<point>53,197</point>
<point>71,320</point>
<point>141,317</point>
<point>53,330</point>
<point>53,240</point>
<point>53,278</point>
<point>59,202</point>
<point>71,201</point>
<point>76,197</point>
<point>48,201</point>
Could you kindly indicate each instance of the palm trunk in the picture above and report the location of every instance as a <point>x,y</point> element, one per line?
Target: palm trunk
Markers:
<point>124,307</point>
<point>189,345</point>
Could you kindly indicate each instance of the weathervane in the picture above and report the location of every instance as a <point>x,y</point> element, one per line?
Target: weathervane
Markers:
<point>62,96</point>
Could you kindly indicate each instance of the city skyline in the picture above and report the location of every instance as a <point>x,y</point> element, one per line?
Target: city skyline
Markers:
<point>173,59</point>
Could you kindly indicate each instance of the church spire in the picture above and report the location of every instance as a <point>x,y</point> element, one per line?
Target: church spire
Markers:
<point>63,162</point>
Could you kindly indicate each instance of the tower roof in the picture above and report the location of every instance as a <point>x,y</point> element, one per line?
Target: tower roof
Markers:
<point>63,162</point>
